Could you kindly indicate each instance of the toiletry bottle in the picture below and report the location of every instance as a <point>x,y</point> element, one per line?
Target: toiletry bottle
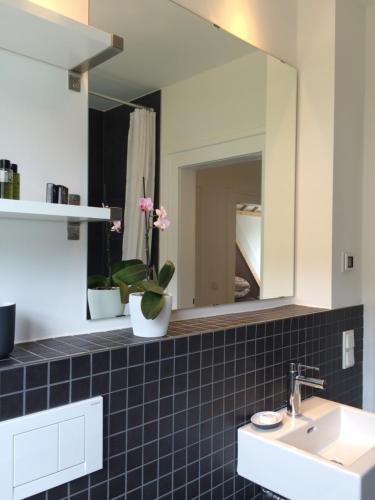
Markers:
<point>16,182</point>
<point>6,184</point>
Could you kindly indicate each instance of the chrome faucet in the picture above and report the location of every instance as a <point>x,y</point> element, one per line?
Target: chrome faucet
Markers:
<point>295,380</point>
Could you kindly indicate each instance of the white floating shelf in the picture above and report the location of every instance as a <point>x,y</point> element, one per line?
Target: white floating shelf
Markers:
<point>39,211</point>
<point>39,33</point>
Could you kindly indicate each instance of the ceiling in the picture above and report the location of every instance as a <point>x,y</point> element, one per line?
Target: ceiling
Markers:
<point>163,43</point>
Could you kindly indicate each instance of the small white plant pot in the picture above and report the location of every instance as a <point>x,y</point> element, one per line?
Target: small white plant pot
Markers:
<point>143,327</point>
<point>105,303</point>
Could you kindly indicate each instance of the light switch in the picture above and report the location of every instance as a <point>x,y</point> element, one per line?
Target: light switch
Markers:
<point>71,442</point>
<point>35,454</point>
<point>348,344</point>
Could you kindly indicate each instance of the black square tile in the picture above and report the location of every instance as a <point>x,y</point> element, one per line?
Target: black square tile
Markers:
<point>81,366</point>
<point>134,479</point>
<point>195,343</point>
<point>100,362</point>
<point>134,459</point>
<point>119,358</point>
<point>81,389</point>
<point>151,411</point>
<point>79,484</point>
<point>151,372</point>
<point>58,493</point>
<point>59,394</point>
<point>166,368</point>
<point>59,371</point>
<point>207,340</point>
<point>118,401</point>
<point>36,375</point>
<point>99,492</point>
<point>151,391</point>
<point>11,380</point>
<point>83,495</point>
<point>167,348</point>
<point>11,406</point>
<point>135,375</point>
<point>152,352</point>
<point>136,355</point>
<point>135,396</point>
<point>117,463</point>
<point>150,431</point>
<point>36,400</point>
<point>181,346</point>
<point>134,437</point>
<point>100,384</point>
<point>117,487</point>
<point>119,379</point>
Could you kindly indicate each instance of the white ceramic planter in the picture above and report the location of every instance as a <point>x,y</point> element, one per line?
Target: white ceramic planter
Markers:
<point>143,327</point>
<point>105,303</point>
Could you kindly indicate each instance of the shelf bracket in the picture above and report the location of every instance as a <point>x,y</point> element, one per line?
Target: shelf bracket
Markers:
<point>75,74</point>
<point>74,228</point>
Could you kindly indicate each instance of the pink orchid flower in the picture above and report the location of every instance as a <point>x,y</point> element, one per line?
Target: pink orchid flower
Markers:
<point>162,221</point>
<point>146,204</point>
<point>116,226</point>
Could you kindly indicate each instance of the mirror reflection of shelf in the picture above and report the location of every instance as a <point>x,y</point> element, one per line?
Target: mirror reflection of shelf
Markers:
<point>33,31</point>
<point>40,211</point>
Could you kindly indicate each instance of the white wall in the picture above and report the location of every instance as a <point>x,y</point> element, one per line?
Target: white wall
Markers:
<point>192,125</point>
<point>45,274</point>
<point>43,128</point>
<point>267,24</point>
<point>278,183</point>
<point>368,253</point>
<point>348,150</point>
<point>257,95</point>
<point>248,234</point>
<point>316,61</point>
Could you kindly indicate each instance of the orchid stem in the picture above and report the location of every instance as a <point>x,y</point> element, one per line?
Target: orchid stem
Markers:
<point>147,235</point>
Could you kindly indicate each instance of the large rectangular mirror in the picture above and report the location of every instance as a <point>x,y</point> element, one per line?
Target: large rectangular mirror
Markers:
<point>208,122</point>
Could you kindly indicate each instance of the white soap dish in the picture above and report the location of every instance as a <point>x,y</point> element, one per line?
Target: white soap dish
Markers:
<point>266,419</point>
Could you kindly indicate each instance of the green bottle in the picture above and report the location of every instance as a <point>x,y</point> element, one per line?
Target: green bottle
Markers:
<point>6,180</point>
<point>16,182</point>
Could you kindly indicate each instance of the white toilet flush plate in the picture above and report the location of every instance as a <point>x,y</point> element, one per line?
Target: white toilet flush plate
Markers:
<point>328,453</point>
<point>45,449</point>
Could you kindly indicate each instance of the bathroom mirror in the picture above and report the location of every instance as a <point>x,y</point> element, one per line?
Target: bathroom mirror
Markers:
<point>209,122</point>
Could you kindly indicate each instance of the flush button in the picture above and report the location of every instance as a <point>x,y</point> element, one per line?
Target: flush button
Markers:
<point>71,442</point>
<point>35,454</point>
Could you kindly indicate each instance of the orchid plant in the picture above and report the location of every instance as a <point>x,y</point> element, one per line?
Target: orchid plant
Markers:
<point>134,275</point>
<point>142,277</point>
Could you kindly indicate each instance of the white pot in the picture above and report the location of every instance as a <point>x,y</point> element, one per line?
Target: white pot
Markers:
<point>105,303</point>
<point>143,327</point>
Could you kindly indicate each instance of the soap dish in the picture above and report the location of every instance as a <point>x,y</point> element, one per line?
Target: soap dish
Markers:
<point>266,419</point>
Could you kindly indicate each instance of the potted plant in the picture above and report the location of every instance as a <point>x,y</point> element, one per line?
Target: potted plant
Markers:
<point>105,297</point>
<point>150,307</point>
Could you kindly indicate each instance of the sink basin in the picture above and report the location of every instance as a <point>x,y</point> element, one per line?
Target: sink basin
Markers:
<point>326,454</point>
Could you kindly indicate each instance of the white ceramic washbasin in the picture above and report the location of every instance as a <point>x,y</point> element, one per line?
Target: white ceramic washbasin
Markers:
<point>326,454</point>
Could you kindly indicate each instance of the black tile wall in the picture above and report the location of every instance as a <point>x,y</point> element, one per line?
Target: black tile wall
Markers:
<point>172,406</point>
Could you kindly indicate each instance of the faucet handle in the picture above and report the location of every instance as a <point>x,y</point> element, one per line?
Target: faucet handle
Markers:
<point>305,367</point>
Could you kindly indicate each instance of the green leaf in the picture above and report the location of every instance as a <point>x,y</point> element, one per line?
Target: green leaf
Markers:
<point>152,304</point>
<point>97,281</point>
<point>131,274</point>
<point>166,274</point>
<point>122,264</point>
<point>124,290</point>
<point>150,286</point>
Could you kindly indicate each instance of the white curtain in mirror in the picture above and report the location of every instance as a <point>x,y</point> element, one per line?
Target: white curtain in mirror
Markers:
<point>140,164</point>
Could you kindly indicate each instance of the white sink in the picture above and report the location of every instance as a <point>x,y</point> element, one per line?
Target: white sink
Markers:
<point>326,454</point>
